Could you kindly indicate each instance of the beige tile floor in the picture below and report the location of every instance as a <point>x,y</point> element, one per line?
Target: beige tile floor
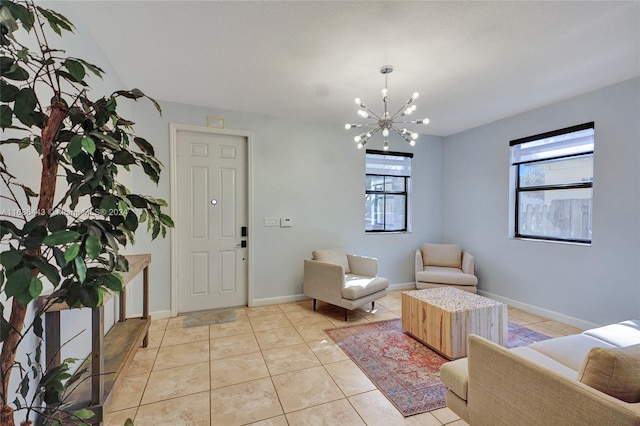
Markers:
<point>273,366</point>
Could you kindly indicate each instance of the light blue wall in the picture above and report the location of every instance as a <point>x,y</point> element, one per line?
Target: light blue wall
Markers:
<point>599,283</point>
<point>313,173</point>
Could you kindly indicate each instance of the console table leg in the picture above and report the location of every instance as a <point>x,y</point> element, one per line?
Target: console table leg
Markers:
<point>97,360</point>
<point>145,302</point>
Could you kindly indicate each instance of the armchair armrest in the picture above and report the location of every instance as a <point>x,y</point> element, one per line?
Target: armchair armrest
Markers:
<point>363,265</point>
<point>468,263</point>
<point>323,280</point>
<point>419,262</point>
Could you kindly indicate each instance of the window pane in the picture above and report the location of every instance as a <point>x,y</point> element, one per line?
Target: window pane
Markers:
<point>374,212</point>
<point>394,184</point>
<point>553,172</point>
<point>395,212</point>
<point>561,213</point>
<point>374,183</point>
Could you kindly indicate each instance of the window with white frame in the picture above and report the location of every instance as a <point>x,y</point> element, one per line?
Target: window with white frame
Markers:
<point>387,191</point>
<point>554,184</point>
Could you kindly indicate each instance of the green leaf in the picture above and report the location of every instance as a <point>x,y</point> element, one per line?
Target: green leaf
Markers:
<point>25,105</point>
<point>145,146</point>
<point>75,146</point>
<point>75,68</point>
<point>57,223</point>
<point>93,68</point>
<point>166,220</point>
<point>71,253</point>
<point>16,73</point>
<point>56,21</point>
<point>18,282</point>
<point>89,145</point>
<point>60,237</point>
<point>48,270</point>
<point>35,287</point>
<point>10,259</point>
<point>149,171</point>
<point>6,116</point>
<point>81,269</point>
<point>131,221</point>
<point>124,157</point>
<point>112,282</point>
<point>6,63</point>
<point>89,296</point>
<point>137,201</point>
<point>93,246</point>
<point>83,414</point>
<point>37,328</point>
<point>109,140</point>
<point>8,91</point>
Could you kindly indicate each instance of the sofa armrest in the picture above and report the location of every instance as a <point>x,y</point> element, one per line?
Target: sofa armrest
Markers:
<point>363,265</point>
<point>522,392</point>
<point>323,280</point>
<point>419,263</point>
<point>468,265</point>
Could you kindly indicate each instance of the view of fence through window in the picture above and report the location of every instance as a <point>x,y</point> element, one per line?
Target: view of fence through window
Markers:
<point>554,184</point>
<point>387,191</point>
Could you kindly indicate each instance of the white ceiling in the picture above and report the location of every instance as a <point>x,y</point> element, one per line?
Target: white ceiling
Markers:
<point>472,62</point>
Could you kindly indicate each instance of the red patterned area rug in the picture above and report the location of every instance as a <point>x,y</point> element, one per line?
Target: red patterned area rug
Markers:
<point>403,369</point>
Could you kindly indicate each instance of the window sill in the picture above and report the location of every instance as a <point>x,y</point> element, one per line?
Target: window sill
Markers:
<point>541,240</point>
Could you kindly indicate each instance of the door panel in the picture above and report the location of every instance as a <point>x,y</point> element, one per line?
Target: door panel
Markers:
<point>211,185</point>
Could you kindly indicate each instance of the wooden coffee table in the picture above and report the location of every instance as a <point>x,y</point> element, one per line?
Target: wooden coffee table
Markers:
<point>442,318</point>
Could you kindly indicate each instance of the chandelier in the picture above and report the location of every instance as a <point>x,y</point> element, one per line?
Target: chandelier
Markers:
<point>386,122</point>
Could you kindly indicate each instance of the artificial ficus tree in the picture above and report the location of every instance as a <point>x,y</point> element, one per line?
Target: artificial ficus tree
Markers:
<point>69,238</point>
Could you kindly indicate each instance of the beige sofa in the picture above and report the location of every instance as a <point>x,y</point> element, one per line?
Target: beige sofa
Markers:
<point>342,279</point>
<point>445,265</point>
<point>583,379</point>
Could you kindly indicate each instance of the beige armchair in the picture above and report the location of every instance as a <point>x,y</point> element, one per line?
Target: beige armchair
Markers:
<point>344,280</point>
<point>441,265</point>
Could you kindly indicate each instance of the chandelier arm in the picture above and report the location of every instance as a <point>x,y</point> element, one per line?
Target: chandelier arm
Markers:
<point>399,112</point>
<point>402,135</point>
<point>373,114</point>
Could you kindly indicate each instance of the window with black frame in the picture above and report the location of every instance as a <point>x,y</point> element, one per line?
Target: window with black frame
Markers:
<point>387,190</point>
<point>554,184</point>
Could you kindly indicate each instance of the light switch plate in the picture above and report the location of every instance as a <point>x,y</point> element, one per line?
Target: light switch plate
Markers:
<point>286,222</point>
<point>271,221</point>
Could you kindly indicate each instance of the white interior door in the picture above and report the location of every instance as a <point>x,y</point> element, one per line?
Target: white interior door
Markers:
<point>211,183</point>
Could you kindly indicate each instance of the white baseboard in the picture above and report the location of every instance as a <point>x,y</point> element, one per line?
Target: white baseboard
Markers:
<point>402,286</point>
<point>160,314</point>
<point>278,300</point>
<point>301,297</point>
<point>552,315</point>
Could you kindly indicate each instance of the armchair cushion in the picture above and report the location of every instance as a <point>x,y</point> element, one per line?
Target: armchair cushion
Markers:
<point>446,255</point>
<point>357,286</point>
<point>443,275</point>
<point>614,371</point>
<point>337,256</point>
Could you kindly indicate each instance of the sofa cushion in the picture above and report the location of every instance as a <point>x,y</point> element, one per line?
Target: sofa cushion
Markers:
<point>625,333</point>
<point>444,275</point>
<point>337,256</point>
<point>614,371</point>
<point>550,363</point>
<point>357,286</point>
<point>569,350</point>
<point>448,255</point>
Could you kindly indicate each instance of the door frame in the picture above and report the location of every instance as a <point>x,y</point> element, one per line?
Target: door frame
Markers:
<point>173,164</point>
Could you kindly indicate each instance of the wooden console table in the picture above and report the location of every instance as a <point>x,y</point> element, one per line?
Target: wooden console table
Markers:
<point>111,354</point>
